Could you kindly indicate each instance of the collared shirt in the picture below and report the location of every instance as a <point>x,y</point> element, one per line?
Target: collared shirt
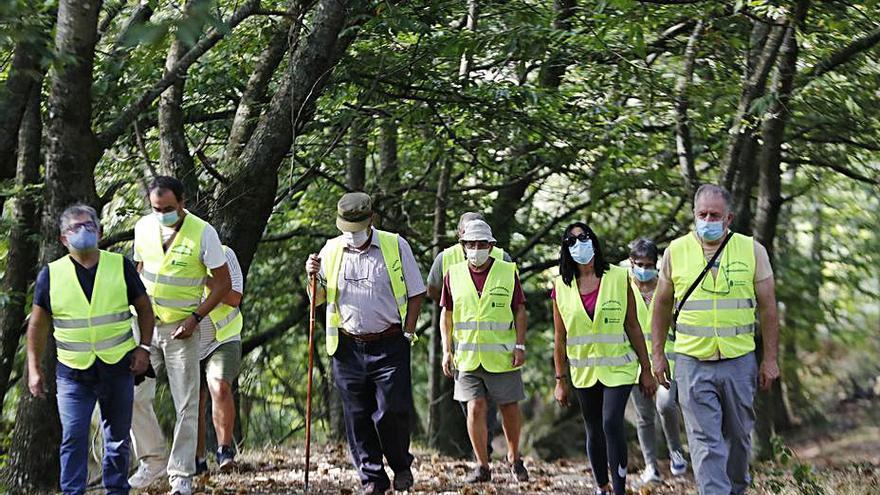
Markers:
<point>366,302</point>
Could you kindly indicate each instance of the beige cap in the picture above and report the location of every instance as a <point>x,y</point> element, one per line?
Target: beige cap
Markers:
<point>353,212</point>
<point>477,230</point>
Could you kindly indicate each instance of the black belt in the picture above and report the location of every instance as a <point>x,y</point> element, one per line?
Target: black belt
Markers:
<point>372,337</point>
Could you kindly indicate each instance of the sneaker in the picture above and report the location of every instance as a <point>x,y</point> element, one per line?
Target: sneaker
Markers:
<point>481,474</point>
<point>650,475</point>
<point>678,465</point>
<point>181,486</point>
<point>225,458</point>
<point>403,480</point>
<point>602,491</point>
<point>201,466</point>
<point>146,475</point>
<point>519,470</point>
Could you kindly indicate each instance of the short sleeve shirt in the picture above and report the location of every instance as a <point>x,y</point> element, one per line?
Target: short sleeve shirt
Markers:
<point>86,277</point>
<point>479,278</point>
<point>207,331</point>
<point>763,268</point>
<point>211,253</point>
<point>435,275</point>
<point>365,300</point>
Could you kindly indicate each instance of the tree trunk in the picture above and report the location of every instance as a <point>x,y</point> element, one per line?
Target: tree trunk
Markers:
<point>356,159</point>
<point>388,178</point>
<point>21,259</point>
<point>70,160</point>
<point>683,142</point>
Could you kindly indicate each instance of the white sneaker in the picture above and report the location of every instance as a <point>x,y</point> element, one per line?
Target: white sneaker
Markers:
<point>146,475</point>
<point>678,465</point>
<point>650,475</point>
<point>181,486</point>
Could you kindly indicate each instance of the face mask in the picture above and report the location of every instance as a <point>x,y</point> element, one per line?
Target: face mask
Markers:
<point>582,252</point>
<point>356,239</point>
<point>644,274</point>
<point>710,231</point>
<point>82,240</point>
<point>167,219</point>
<point>476,257</point>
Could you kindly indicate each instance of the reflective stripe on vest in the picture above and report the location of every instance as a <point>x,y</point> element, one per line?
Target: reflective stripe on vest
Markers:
<point>598,349</point>
<point>227,320</point>
<point>455,254</point>
<point>645,312</point>
<point>483,329</point>
<point>175,279</point>
<point>718,319</point>
<point>390,248</point>
<point>85,329</point>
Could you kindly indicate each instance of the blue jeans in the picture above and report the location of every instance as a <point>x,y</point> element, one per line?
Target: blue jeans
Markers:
<point>112,387</point>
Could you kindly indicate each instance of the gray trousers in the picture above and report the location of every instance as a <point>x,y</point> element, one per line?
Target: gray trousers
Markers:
<point>666,406</point>
<point>717,401</point>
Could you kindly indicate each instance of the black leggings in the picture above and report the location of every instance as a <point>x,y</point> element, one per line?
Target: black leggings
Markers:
<point>603,408</point>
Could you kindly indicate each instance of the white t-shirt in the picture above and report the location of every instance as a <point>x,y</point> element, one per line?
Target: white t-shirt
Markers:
<point>211,252</point>
<point>207,331</point>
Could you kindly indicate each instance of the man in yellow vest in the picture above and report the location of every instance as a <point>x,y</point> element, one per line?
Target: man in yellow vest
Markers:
<point>220,358</point>
<point>374,292</point>
<point>445,259</point>
<point>716,369</point>
<point>85,296</point>
<point>175,251</point>
<point>483,325</point>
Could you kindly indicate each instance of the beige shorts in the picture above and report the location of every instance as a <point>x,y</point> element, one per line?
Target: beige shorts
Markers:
<point>503,388</point>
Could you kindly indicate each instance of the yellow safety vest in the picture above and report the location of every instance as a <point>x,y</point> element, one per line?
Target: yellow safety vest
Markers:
<point>388,244</point>
<point>455,254</point>
<point>83,329</point>
<point>483,330</point>
<point>227,319</point>
<point>175,280</point>
<point>719,316</point>
<point>646,313</point>
<point>598,349</point>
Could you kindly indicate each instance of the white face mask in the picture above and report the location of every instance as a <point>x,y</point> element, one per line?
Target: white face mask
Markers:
<point>476,257</point>
<point>356,239</point>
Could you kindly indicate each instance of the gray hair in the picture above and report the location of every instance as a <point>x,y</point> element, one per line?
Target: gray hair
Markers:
<point>714,191</point>
<point>643,248</point>
<point>75,211</point>
<point>468,217</point>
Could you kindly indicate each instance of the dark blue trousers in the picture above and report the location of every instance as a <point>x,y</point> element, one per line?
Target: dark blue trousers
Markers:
<point>112,387</point>
<point>374,381</point>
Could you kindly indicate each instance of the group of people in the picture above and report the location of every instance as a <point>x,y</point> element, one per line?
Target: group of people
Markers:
<point>713,289</point>
<point>185,289</point>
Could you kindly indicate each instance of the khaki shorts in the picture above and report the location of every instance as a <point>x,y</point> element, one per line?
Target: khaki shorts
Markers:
<point>224,363</point>
<point>503,388</point>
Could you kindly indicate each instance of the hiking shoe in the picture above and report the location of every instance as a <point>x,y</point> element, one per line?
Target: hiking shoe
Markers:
<point>181,486</point>
<point>650,475</point>
<point>225,458</point>
<point>201,466</point>
<point>403,480</point>
<point>481,474</point>
<point>519,470</point>
<point>145,475</point>
<point>678,465</point>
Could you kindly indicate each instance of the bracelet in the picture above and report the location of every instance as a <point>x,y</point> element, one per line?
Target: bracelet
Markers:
<point>520,347</point>
<point>560,377</point>
<point>198,317</point>
<point>145,347</point>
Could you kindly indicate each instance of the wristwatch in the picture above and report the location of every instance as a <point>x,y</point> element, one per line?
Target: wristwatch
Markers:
<point>520,347</point>
<point>198,317</point>
<point>145,347</point>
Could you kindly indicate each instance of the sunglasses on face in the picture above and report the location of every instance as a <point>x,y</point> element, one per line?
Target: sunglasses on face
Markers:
<point>569,239</point>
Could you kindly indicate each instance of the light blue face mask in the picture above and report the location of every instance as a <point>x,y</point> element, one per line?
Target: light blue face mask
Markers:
<point>167,219</point>
<point>82,240</point>
<point>644,274</point>
<point>582,252</point>
<point>710,231</point>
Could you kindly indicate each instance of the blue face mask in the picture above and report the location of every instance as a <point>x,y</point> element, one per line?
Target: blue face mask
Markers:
<point>710,231</point>
<point>167,219</point>
<point>582,252</point>
<point>644,274</point>
<point>82,240</point>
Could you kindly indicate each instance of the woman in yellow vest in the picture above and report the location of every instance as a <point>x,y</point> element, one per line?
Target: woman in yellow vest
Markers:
<point>597,332</point>
<point>643,260</point>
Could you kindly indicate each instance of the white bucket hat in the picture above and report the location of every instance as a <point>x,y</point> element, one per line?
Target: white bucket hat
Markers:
<point>477,230</point>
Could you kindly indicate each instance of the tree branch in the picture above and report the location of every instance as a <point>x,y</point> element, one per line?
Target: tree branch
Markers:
<point>848,172</point>
<point>844,55</point>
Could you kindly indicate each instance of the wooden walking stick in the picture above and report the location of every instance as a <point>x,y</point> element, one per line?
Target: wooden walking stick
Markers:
<point>313,287</point>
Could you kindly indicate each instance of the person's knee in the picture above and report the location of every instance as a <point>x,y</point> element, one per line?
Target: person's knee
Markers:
<point>221,390</point>
<point>612,425</point>
<point>477,407</point>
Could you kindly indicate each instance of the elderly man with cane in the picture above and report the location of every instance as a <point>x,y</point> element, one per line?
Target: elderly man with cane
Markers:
<point>374,291</point>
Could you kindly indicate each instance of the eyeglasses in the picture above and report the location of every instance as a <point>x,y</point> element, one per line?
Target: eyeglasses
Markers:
<point>90,226</point>
<point>475,244</point>
<point>569,239</point>
<point>719,285</point>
